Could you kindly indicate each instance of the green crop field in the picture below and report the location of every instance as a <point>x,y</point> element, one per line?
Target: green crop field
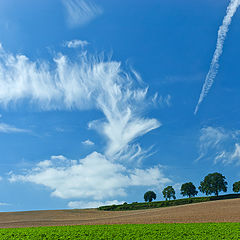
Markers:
<point>138,231</point>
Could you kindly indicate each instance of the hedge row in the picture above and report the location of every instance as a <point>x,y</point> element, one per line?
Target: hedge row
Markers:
<point>158,204</point>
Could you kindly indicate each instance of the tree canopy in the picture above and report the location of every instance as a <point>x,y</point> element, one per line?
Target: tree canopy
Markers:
<point>188,189</point>
<point>236,187</point>
<point>169,193</point>
<point>149,196</point>
<point>213,183</point>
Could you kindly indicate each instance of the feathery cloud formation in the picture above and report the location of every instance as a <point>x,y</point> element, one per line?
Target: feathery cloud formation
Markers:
<point>222,33</point>
<point>162,101</point>
<point>6,128</point>
<point>80,12</point>
<point>220,144</point>
<point>89,83</point>
<point>76,43</point>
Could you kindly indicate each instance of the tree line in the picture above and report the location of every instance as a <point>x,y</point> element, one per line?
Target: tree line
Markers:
<point>213,183</point>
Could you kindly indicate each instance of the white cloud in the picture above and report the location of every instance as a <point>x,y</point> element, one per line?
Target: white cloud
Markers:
<point>211,142</point>
<point>88,83</point>
<point>219,144</point>
<point>5,128</point>
<point>88,142</point>
<point>132,153</point>
<point>4,204</point>
<point>120,132</point>
<point>59,157</point>
<point>137,75</point>
<point>93,177</point>
<point>44,164</point>
<point>95,204</point>
<point>222,33</point>
<point>212,137</point>
<point>162,101</point>
<point>76,43</point>
<point>148,177</point>
<point>232,156</point>
<point>236,153</point>
<point>1,178</point>
<point>168,100</point>
<point>80,12</point>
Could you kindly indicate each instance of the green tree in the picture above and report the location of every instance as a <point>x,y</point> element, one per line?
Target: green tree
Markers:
<point>213,183</point>
<point>169,193</point>
<point>236,187</point>
<point>149,196</point>
<point>188,189</point>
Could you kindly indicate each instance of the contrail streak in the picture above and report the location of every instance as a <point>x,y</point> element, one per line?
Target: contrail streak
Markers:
<point>222,32</point>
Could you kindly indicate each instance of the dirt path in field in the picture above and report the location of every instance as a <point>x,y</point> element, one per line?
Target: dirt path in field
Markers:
<point>215,211</point>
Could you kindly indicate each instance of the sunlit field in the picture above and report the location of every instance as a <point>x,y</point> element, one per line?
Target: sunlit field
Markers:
<point>129,231</point>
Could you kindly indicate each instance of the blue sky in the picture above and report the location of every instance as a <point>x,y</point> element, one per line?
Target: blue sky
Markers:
<point>97,99</point>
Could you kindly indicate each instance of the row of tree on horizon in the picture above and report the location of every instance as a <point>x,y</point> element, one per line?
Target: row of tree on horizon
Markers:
<point>213,183</point>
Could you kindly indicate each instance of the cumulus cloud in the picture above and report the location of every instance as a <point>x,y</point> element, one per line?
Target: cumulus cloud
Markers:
<point>94,177</point>
<point>90,82</point>
<point>88,142</point>
<point>222,33</point>
<point>76,43</point>
<point>95,204</point>
<point>220,145</point>
<point>5,128</point>
<point>80,12</point>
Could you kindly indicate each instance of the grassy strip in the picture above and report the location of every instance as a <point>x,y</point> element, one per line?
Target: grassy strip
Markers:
<point>158,204</point>
<point>131,231</point>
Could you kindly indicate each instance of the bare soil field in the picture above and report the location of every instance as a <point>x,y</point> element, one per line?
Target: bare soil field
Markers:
<point>215,211</point>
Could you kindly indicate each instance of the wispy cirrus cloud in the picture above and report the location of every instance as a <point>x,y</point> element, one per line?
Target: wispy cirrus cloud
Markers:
<point>80,178</point>
<point>162,101</point>
<point>6,128</point>
<point>76,43</point>
<point>222,33</point>
<point>80,12</point>
<point>220,145</point>
<point>89,83</point>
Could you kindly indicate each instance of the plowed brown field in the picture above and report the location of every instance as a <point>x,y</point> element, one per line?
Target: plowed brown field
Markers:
<point>215,211</point>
